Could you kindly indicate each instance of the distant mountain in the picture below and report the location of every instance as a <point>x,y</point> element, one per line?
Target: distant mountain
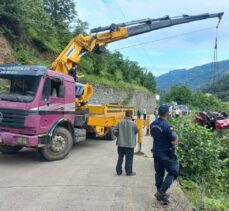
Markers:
<point>219,88</point>
<point>195,78</point>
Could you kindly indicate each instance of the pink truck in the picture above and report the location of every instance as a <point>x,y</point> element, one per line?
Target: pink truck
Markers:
<point>37,109</point>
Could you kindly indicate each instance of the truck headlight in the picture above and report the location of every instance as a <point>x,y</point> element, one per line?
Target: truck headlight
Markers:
<point>21,140</point>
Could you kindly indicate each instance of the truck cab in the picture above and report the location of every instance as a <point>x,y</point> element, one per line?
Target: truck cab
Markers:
<point>37,109</point>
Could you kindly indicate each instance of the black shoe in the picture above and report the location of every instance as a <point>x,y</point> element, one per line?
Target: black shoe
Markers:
<point>166,194</point>
<point>162,197</point>
<point>119,173</point>
<point>131,174</point>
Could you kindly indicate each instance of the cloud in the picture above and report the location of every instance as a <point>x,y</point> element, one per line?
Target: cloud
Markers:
<point>179,51</point>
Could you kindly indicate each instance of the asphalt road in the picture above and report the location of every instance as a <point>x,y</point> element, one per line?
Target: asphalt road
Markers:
<point>84,181</point>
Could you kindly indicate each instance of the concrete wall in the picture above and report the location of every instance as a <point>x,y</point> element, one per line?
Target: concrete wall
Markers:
<point>105,95</point>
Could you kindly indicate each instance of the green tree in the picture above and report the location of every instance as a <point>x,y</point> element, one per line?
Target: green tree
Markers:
<point>180,94</point>
<point>81,27</point>
<point>149,81</point>
<point>206,102</point>
<point>61,11</point>
<point>27,20</point>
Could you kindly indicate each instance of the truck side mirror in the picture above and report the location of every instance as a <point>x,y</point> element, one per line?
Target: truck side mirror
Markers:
<point>62,91</point>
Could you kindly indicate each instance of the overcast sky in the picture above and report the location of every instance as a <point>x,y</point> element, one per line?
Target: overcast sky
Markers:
<point>183,51</point>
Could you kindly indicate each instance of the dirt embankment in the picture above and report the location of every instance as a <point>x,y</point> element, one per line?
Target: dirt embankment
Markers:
<point>6,53</point>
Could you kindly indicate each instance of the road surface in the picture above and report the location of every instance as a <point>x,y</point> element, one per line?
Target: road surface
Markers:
<point>83,181</point>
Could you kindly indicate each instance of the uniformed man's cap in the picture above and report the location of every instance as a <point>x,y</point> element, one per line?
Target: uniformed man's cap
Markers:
<point>163,109</point>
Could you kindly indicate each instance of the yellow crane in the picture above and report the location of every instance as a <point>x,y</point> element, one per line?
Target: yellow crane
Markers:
<point>102,36</point>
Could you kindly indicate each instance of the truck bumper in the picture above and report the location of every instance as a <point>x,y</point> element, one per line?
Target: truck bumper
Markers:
<point>22,140</point>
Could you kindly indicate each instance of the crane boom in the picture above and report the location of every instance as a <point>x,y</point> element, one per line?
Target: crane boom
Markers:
<point>147,25</point>
<point>105,35</point>
<point>155,25</point>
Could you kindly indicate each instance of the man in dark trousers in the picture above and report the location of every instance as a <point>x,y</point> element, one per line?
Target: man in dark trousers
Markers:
<point>163,150</point>
<point>126,131</point>
<point>139,114</point>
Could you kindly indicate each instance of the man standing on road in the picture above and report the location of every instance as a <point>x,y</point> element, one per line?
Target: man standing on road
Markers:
<point>139,114</point>
<point>144,113</point>
<point>156,113</point>
<point>163,150</point>
<point>126,131</point>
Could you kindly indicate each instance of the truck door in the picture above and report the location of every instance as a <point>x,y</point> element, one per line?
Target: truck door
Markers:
<point>52,105</point>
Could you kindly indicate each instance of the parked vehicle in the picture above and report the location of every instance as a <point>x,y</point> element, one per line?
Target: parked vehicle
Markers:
<point>32,114</point>
<point>213,120</point>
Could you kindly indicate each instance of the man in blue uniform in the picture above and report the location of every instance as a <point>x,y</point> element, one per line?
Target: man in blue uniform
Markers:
<point>163,150</point>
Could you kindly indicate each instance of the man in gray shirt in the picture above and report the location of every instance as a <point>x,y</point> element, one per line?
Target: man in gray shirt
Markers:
<point>126,131</point>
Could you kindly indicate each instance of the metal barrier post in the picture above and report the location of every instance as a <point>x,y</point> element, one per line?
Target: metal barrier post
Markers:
<point>140,123</point>
<point>147,125</point>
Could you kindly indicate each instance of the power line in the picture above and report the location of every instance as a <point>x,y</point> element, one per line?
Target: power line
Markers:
<point>164,38</point>
<point>147,57</point>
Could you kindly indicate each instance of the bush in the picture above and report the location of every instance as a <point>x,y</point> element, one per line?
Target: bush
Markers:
<point>214,204</point>
<point>206,103</point>
<point>198,150</point>
<point>199,100</point>
<point>203,158</point>
<point>179,94</point>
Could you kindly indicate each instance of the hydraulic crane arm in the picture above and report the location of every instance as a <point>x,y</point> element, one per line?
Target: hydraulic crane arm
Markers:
<point>147,25</point>
<point>167,22</point>
<point>105,35</point>
<point>102,36</point>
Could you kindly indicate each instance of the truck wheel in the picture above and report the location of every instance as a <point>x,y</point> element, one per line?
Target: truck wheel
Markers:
<point>110,135</point>
<point>9,149</point>
<point>60,146</point>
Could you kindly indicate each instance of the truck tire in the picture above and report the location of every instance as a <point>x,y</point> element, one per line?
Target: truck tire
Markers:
<point>60,146</point>
<point>110,135</point>
<point>9,149</point>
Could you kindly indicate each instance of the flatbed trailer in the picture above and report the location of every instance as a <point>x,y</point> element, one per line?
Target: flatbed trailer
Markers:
<point>102,118</point>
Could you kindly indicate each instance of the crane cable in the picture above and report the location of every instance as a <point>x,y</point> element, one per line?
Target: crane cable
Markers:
<point>147,57</point>
<point>162,39</point>
<point>215,63</point>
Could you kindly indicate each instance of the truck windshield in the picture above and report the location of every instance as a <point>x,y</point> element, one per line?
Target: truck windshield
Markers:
<point>18,88</point>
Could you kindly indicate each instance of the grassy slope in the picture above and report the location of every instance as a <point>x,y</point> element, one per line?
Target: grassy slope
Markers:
<point>24,53</point>
<point>114,83</point>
